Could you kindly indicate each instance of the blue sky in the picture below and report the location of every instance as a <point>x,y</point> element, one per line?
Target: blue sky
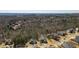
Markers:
<point>39,11</point>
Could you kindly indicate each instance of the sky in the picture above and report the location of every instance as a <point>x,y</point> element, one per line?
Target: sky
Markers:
<point>39,11</point>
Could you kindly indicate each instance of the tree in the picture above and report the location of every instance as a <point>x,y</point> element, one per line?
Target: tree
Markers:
<point>20,40</point>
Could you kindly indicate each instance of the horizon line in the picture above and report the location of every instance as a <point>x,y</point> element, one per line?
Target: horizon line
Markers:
<point>39,11</point>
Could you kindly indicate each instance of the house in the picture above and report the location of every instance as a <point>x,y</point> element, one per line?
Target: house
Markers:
<point>77,29</point>
<point>68,45</point>
<point>56,37</point>
<point>62,33</point>
<point>16,26</point>
<point>33,41</point>
<point>71,30</point>
<point>8,42</point>
<point>2,38</point>
<point>43,38</point>
<point>77,39</point>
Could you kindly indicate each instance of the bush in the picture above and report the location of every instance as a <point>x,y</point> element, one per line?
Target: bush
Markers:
<point>20,40</point>
<point>49,37</point>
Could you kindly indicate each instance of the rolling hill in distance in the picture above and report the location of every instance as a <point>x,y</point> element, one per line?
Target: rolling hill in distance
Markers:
<point>39,14</point>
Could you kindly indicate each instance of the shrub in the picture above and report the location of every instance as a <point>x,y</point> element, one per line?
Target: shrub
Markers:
<point>20,40</point>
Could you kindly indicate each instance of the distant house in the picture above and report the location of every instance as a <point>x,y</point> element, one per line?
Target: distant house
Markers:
<point>1,38</point>
<point>62,33</point>
<point>68,45</point>
<point>43,38</point>
<point>77,39</point>
<point>55,36</point>
<point>16,26</point>
<point>8,42</point>
<point>33,41</point>
<point>71,30</point>
<point>77,29</point>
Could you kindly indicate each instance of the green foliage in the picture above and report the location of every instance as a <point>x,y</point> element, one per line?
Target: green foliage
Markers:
<point>7,28</point>
<point>7,31</point>
<point>49,36</point>
<point>20,39</point>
